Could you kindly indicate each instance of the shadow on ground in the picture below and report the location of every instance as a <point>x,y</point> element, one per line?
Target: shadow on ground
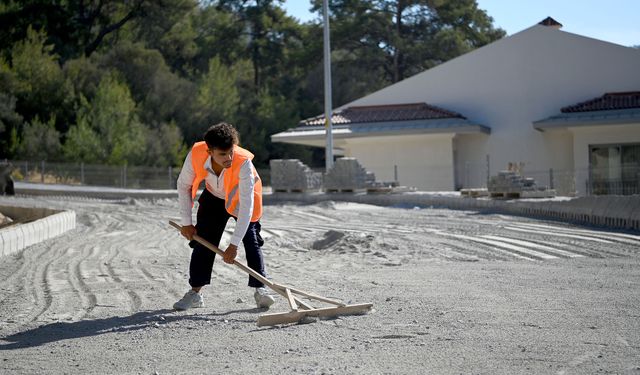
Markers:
<point>60,331</point>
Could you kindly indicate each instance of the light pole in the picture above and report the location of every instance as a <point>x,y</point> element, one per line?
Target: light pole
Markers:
<point>327,88</point>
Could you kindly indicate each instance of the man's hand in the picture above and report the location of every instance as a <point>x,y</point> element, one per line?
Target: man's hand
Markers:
<point>188,231</point>
<point>230,254</point>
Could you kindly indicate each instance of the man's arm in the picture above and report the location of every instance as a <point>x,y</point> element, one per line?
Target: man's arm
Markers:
<point>185,201</point>
<point>245,210</point>
<point>245,204</point>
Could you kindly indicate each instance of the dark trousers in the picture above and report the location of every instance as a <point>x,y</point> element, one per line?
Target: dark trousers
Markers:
<point>212,220</point>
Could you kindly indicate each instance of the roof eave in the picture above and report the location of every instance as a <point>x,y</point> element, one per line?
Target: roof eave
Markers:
<point>574,120</point>
<point>379,129</point>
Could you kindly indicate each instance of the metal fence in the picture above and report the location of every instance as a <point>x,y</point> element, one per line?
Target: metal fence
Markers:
<point>125,176</point>
<point>473,175</point>
<point>134,177</point>
<point>585,181</point>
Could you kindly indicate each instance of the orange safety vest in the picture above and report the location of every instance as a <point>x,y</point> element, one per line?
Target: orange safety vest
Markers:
<point>199,157</point>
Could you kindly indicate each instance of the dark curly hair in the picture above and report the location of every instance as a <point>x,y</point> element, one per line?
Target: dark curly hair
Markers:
<point>221,136</point>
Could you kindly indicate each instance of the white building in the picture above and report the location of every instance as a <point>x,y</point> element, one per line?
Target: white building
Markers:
<point>536,99</point>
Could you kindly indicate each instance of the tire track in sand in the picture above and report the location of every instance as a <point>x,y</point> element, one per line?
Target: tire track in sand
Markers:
<point>76,278</point>
<point>135,301</point>
<point>37,283</point>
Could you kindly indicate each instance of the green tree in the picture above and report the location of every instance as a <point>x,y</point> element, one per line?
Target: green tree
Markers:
<point>111,115</point>
<point>40,141</point>
<point>165,146</point>
<point>84,144</point>
<point>84,75</point>
<point>217,99</point>
<point>167,26</point>
<point>40,86</point>
<point>267,114</point>
<point>161,95</point>
<point>218,34</point>
<point>10,119</point>
<point>76,26</point>
<point>8,114</point>
<point>267,33</point>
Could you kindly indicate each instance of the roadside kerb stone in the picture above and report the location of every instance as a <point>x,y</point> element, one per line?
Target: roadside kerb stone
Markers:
<point>635,215</point>
<point>10,243</point>
<point>19,236</point>
<point>579,209</point>
<point>27,234</point>
<point>622,210</point>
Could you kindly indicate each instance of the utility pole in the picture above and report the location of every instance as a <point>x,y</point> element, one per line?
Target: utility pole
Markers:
<point>327,88</point>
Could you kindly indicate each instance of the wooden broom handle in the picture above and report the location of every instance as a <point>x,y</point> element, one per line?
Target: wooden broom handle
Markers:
<point>216,250</point>
<point>275,287</point>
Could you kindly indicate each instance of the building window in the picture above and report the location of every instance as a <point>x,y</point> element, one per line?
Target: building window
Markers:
<point>614,169</point>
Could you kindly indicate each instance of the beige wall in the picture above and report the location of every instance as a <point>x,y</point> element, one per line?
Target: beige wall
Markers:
<point>470,160</point>
<point>598,135</point>
<point>424,161</point>
<point>558,155</point>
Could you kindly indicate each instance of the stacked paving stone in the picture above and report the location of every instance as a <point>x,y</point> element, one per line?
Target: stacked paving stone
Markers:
<point>348,175</point>
<point>292,175</point>
<point>512,184</point>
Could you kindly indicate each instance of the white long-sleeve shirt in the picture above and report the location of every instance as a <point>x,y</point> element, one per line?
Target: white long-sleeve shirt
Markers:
<point>215,185</point>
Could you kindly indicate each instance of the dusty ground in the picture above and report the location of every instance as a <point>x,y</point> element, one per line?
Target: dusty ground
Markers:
<point>454,292</point>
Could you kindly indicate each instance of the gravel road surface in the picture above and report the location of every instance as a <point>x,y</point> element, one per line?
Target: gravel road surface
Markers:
<point>454,292</point>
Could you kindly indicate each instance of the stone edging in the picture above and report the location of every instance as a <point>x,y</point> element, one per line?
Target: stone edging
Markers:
<point>17,237</point>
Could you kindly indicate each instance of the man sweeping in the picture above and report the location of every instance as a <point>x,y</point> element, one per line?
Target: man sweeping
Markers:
<point>232,189</point>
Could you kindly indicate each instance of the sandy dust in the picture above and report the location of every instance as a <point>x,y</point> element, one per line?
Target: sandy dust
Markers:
<point>453,292</point>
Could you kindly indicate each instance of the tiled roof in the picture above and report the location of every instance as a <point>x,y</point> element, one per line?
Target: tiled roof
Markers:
<point>590,118</point>
<point>607,102</point>
<point>384,113</point>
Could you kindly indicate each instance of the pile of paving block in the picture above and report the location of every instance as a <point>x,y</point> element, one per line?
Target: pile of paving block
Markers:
<point>292,175</point>
<point>347,175</point>
<point>510,184</point>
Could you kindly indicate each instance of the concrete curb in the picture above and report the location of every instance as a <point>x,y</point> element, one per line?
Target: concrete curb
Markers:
<point>17,237</point>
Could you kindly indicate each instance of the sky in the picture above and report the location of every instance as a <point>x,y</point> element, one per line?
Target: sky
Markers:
<point>615,21</point>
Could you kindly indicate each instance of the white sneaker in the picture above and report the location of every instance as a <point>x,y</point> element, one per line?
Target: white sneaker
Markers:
<point>190,299</point>
<point>263,299</point>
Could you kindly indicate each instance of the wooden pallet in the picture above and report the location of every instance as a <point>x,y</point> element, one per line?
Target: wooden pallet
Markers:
<point>524,194</point>
<point>344,190</point>
<point>289,190</point>
<point>474,193</point>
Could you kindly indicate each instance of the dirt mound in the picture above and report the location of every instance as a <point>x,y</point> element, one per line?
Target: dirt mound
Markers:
<point>330,238</point>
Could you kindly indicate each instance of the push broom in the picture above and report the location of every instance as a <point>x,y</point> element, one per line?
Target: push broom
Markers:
<point>299,308</point>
